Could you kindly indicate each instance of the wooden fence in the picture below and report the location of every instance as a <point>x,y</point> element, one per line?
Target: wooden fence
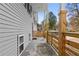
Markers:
<point>37,34</point>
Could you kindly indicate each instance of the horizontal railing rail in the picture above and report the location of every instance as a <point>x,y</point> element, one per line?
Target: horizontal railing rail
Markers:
<point>71,45</point>
<point>72,34</point>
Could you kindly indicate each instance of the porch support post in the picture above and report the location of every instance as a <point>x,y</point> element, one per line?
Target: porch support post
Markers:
<point>47,21</point>
<point>62,29</point>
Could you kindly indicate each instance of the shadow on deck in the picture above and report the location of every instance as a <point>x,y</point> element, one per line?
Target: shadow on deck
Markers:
<point>38,47</point>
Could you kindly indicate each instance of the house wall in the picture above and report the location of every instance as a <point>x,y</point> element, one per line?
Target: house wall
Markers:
<point>14,20</point>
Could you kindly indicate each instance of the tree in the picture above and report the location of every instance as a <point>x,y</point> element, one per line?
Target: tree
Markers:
<point>73,11</point>
<point>52,20</point>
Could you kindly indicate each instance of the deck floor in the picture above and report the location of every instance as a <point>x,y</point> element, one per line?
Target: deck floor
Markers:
<point>38,47</point>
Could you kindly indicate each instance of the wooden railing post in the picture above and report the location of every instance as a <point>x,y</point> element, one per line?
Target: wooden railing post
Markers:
<point>62,29</point>
<point>51,40</point>
<point>47,37</point>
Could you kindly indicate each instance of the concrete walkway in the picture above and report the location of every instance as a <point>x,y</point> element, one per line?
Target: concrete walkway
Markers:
<point>38,47</point>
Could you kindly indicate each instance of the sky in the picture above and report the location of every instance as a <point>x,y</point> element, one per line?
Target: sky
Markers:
<point>40,17</point>
<point>54,7</point>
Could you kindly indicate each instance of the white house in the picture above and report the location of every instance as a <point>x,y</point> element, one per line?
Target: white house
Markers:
<point>16,25</point>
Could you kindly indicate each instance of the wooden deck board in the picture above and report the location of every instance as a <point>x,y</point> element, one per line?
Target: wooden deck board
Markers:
<point>38,47</point>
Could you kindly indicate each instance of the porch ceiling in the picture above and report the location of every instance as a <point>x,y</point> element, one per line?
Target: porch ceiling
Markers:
<point>39,7</point>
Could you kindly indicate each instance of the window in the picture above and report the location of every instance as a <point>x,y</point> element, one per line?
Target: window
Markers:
<point>20,43</point>
<point>21,47</point>
<point>28,7</point>
<point>21,39</point>
<point>25,5</point>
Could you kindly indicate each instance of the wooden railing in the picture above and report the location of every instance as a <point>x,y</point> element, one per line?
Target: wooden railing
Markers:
<point>71,43</point>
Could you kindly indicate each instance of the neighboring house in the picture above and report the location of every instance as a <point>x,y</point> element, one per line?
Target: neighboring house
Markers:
<point>16,26</point>
<point>35,17</point>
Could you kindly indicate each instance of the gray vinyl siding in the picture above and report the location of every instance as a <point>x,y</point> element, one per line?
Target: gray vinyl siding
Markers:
<point>14,20</point>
